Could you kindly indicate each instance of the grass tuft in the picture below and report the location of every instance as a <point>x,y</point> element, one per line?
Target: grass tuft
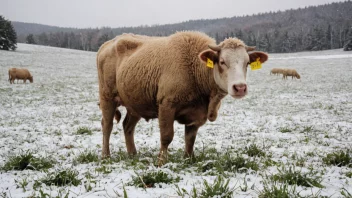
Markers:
<point>349,174</point>
<point>274,191</point>
<point>61,178</point>
<point>345,193</point>
<point>339,158</point>
<point>253,150</point>
<point>293,177</point>
<point>87,157</point>
<point>237,163</point>
<point>285,130</point>
<point>220,188</point>
<point>151,178</point>
<point>84,131</point>
<point>28,161</point>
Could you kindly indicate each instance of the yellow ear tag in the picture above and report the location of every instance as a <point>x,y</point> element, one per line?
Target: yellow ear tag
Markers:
<point>256,64</point>
<point>210,63</point>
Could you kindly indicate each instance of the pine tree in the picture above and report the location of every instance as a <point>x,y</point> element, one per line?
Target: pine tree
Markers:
<point>103,38</point>
<point>8,37</point>
<point>43,39</point>
<point>30,39</point>
<point>265,43</point>
<point>348,45</point>
<point>328,37</point>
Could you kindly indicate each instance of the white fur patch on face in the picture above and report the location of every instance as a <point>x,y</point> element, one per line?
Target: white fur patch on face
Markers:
<point>233,77</point>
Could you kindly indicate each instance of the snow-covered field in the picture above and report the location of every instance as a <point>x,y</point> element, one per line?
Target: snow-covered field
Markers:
<point>296,123</point>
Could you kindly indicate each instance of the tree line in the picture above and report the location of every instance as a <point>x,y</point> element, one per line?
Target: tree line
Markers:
<point>321,27</point>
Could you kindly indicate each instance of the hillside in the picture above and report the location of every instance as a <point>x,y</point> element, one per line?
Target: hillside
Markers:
<point>311,28</point>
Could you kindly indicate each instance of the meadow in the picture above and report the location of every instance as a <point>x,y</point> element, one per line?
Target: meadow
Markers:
<point>286,138</point>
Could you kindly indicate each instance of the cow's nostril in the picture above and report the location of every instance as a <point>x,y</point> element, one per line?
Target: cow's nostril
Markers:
<point>235,88</point>
<point>240,88</point>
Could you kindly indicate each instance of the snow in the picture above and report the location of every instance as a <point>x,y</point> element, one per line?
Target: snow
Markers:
<point>64,97</point>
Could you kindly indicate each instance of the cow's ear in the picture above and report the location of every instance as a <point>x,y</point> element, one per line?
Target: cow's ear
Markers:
<point>254,55</point>
<point>212,55</point>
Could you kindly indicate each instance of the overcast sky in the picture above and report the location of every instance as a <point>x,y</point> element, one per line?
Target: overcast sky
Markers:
<point>118,13</point>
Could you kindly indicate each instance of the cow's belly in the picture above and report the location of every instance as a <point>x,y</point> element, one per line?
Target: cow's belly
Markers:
<point>194,115</point>
<point>145,111</point>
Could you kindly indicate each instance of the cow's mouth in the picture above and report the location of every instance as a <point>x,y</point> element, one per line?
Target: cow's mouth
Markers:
<point>239,95</point>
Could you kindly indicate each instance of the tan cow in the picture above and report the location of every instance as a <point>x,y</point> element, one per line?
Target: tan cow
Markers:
<point>290,72</point>
<point>168,78</point>
<point>19,74</point>
<point>276,71</point>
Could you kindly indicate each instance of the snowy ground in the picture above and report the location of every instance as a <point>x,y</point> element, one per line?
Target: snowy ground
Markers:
<point>43,118</point>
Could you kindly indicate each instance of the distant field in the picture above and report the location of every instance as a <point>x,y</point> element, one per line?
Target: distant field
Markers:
<point>289,136</point>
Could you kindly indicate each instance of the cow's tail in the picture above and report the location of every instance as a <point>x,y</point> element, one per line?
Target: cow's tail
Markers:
<point>9,76</point>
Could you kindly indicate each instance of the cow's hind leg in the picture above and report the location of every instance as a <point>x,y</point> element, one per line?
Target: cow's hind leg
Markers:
<point>129,123</point>
<point>108,109</point>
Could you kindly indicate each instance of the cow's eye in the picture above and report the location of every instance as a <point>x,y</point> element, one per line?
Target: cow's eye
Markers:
<point>222,62</point>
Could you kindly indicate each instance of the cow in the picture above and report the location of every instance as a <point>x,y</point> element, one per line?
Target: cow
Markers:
<point>276,71</point>
<point>290,72</point>
<point>182,77</point>
<point>19,74</point>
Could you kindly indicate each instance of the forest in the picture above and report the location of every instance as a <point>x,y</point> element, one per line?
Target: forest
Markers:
<point>311,28</point>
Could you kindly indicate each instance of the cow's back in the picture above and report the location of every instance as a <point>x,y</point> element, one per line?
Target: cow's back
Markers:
<point>22,73</point>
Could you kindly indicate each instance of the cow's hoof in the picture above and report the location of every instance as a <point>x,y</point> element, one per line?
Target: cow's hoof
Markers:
<point>162,159</point>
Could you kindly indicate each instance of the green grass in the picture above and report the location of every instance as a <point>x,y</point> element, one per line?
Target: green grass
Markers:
<point>141,160</point>
<point>151,178</point>
<point>339,158</point>
<point>60,178</point>
<point>103,169</point>
<point>285,130</point>
<point>84,131</point>
<point>307,129</point>
<point>219,188</point>
<point>87,157</point>
<point>229,163</point>
<point>349,174</point>
<point>274,191</point>
<point>294,177</point>
<point>212,162</point>
<point>253,150</point>
<point>27,161</point>
<point>22,184</point>
<point>345,193</point>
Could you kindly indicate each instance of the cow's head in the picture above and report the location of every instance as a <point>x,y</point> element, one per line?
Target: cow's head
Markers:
<point>231,59</point>
<point>31,79</point>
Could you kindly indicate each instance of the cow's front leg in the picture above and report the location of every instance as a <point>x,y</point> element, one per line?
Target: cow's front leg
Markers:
<point>214,105</point>
<point>190,138</point>
<point>166,123</point>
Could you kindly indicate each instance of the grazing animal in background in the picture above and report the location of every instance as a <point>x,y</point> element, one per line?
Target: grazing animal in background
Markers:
<point>276,71</point>
<point>290,72</point>
<point>168,78</point>
<point>19,74</point>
